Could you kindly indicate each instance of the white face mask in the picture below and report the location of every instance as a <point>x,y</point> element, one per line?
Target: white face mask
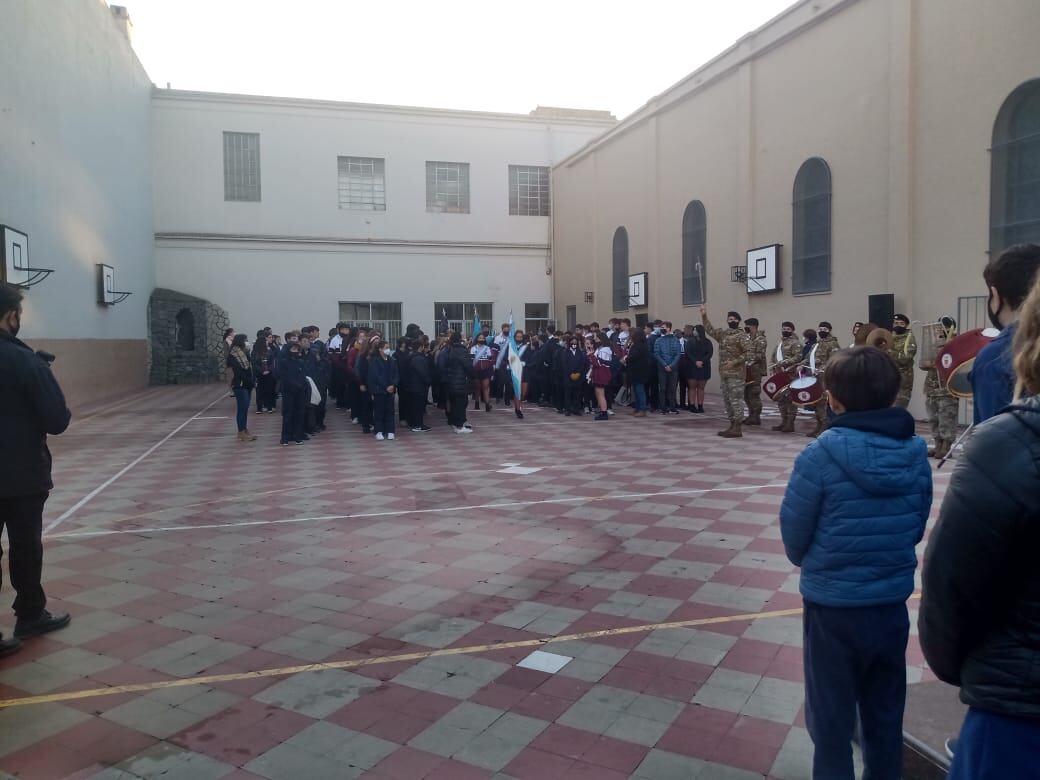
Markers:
<point>386,351</point>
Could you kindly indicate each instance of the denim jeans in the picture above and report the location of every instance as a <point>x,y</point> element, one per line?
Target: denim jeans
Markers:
<point>639,391</point>
<point>242,402</point>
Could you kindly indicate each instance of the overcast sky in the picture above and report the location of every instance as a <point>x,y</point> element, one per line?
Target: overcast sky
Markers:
<point>471,54</point>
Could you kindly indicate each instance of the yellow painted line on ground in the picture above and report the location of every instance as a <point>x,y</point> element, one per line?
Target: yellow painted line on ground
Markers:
<point>356,663</point>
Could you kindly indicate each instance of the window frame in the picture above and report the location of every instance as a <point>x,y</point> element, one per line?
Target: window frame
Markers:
<point>619,254</point>
<point>349,205</point>
<point>803,198</point>
<point>544,201</point>
<point>462,198</point>
<point>691,255</point>
<point>1005,152</point>
<point>392,329</point>
<point>240,191</point>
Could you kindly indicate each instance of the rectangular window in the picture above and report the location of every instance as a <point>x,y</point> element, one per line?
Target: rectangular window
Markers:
<point>460,317</point>
<point>362,184</point>
<point>572,318</point>
<point>384,317</point>
<point>447,187</point>
<point>528,191</point>
<point>242,166</point>
<point>536,317</point>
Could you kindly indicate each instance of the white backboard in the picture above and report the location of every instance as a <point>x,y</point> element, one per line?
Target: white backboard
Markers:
<point>637,289</point>
<point>106,284</point>
<point>16,256</point>
<point>762,269</point>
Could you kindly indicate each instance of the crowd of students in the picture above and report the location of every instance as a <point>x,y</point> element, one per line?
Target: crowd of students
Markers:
<point>585,371</point>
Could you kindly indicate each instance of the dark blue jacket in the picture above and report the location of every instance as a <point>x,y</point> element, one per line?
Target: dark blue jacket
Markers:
<point>292,373</point>
<point>381,374</point>
<point>992,376</point>
<point>667,350</point>
<point>855,507</point>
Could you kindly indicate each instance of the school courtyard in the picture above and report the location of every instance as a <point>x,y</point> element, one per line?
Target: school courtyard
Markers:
<point>546,598</point>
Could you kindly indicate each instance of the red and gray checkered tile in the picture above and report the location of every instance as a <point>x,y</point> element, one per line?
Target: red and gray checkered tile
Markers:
<point>214,557</point>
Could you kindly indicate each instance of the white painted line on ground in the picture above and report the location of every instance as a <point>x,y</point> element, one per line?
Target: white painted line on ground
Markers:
<point>218,417</point>
<point>403,512</point>
<point>75,507</point>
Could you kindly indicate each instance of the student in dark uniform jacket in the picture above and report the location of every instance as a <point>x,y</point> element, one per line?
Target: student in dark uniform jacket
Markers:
<point>699,351</point>
<point>382,379</point>
<point>416,387</point>
<point>364,397</point>
<point>292,379</point>
<point>637,367</point>
<point>573,365</point>
<point>403,356</point>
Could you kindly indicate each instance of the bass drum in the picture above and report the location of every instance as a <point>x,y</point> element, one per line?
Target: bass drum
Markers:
<point>806,390</point>
<point>776,384</point>
<point>956,358</point>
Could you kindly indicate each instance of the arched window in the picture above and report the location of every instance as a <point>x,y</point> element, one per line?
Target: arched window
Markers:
<point>620,255</point>
<point>185,327</point>
<point>1015,176</point>
<point>811,228</point>
<point>694,249</point>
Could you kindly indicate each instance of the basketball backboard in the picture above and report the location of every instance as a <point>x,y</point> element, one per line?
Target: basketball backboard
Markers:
<point>637,289</point>
<point>16,257</point>
<point>762,269</point>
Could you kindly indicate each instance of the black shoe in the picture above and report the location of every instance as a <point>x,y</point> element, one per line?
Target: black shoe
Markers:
<point>487,407</point>
<point>298,441</point>
<point>700,409</point>
<point>519,414</point>
<point>601,416</point>
<point>568,413</point>
<point>44,624</point>
<point>9,646</point>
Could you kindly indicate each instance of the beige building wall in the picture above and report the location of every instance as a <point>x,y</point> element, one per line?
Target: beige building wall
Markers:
<point>898,96</point>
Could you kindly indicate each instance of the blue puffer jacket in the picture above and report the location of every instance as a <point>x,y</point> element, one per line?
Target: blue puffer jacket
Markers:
<point>667,350</point>
<point>855,507</point>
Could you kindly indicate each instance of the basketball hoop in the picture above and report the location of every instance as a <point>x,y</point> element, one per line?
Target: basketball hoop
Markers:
<point>738,273</point>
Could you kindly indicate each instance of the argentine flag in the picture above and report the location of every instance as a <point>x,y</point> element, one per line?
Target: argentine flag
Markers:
<point>516,365</point>
<point>476,323</point>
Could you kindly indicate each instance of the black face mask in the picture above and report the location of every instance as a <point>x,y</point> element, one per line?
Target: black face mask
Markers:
<point>788,334</point>
<point>899,331</point>
<point>994,316</point>
<point>824,334</point>
<point>733,325</point>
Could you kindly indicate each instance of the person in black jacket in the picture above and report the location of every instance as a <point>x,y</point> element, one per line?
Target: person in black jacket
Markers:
<point>242,384</point>
<point>979,621</point>
<point>458,379</point>
<point>415,386</point>
<point>31,406</point>
<point>637,368</point>
<point>382,379</point>
<point>573,365</point>
<point>292,379</point>
<point>699,351</point>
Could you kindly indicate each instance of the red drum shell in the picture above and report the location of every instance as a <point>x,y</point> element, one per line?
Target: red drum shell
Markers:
<point>806,391</point>
<point>955,359</point>
<point>776,384</point>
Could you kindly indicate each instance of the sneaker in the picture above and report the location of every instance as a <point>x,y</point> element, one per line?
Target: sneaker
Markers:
<point>285,444</point>
<point>673,411</point>
<point>463,430</point>
<point>298,441</point>
<point>380,437</point>
<point>951,746</point>
<point>416,429</point>
<point>355,421</point>
<point>467,426</point>
<point>389,437</point>
<point>425,428</point>
<point>9,646</point>
<point>610,412</point>
<point>519,414</point>
<point>601,416</point>
<point>44,624</point>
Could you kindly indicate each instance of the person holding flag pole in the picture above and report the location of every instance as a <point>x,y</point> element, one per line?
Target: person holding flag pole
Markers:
<point>515,354</point>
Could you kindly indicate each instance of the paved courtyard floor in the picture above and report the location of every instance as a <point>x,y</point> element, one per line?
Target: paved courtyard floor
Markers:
<point>547,598</point>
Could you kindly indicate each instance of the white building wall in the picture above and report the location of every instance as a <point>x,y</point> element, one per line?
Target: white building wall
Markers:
<point>316,254</point>
<point>75,165</point>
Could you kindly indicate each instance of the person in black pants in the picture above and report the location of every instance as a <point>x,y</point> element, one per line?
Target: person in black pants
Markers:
<point>573,365</point>
<point>417,386</point>
<point>381,380</point>
<point>263,370</point>
<point>31,406</point>
<point>403,357</point>
<point>292,378</point>
<point>458,379</point>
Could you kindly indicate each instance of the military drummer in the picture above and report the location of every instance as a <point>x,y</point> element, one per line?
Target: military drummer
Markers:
<point>788,356</point>
<point>942,406</point>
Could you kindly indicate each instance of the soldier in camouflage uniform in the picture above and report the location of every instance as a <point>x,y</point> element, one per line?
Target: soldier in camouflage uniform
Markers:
<point>904,350</point>
<point>733,351</point>
<point>826,345</point>
<point>942,405</point>
<point>755,371</point>
<point>788,357</point>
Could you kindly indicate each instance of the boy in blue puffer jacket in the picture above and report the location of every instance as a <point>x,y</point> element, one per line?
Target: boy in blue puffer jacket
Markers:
<point>854,510</point>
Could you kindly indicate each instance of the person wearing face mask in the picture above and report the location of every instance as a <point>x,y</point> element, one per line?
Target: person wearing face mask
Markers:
<point>382,379</point>
<point>903,351</point>
<point>826,345</point>
<point>733,355</point>
<point>1008,279</point>
<point>292,378</point>
<point>756,371</point>
<point>31,407</point>
<point>788,357</point>
<point>942,406</point>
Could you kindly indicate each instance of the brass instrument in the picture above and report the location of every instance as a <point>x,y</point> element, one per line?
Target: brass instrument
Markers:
<point>933,336</point>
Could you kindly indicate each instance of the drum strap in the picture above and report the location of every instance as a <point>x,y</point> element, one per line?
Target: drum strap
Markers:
<point>812,357</point>
<point>780,352</point>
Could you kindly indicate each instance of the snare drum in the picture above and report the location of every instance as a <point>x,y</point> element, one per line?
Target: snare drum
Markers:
<point>806,390</point>
<point>956,358</point>
<point>776,384</point>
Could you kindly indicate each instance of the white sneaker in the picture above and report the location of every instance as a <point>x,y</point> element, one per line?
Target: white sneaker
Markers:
<point>467,426</point>
<point>463,430</point>
<point>390,437</point>
<point>610,412</point>
<point>380,437</point>
<point>355,421</point>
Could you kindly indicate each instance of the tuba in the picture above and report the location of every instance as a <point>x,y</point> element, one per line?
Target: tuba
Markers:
<point>880,338</point>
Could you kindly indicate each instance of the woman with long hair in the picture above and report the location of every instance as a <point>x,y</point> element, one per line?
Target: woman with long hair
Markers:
<point>699,351</point>
<point>979,621</point>
<point>263,373</point>
<point>364,400</point>
<point>601,360</point>
<point>381,380</point>
<point>242,384</point>
<point>637,370</point>
<point>483,367</point>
